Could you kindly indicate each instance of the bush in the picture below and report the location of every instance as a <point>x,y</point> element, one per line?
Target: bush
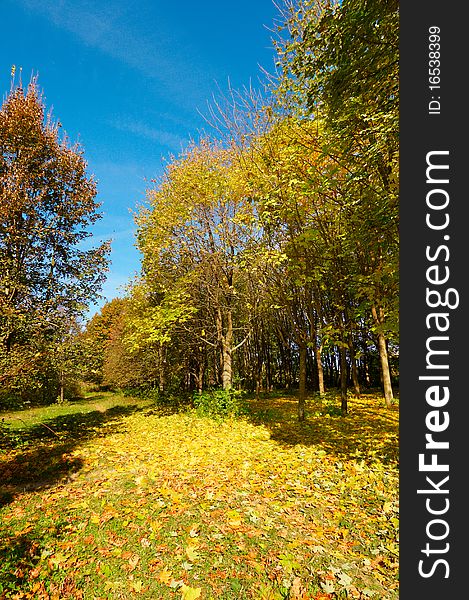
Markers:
<point>220,403</point>
<point>327,404</point>
<point>9,438</point>
<point>165,400</point>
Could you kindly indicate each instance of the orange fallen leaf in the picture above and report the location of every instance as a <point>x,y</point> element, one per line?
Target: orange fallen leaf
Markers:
<point>134,560</point>
<point>165,576</point>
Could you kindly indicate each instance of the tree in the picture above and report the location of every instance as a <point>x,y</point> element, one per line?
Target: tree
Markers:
<point>66,357</point>
<point>193,239</point>
<point>340,62</point>
<point>96,336</point>
<point>297,187</point>
<point>126,366</point>
<point>47,205</point>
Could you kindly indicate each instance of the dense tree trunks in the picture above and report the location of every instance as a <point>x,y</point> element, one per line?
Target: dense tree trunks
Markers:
<point>365,365</point>
<point>353,368</point>
<point>312,377</point>
<point>268,370</point>
<point>355,380</point>
<point>284,374</point>
<point>61,397</point>
<point>161,369</point>
<point>200,376</point>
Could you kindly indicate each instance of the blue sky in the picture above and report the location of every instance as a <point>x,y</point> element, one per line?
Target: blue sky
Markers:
<point>128,80</point>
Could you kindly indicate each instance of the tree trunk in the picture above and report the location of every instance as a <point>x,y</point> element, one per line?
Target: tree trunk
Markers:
<point>366,366</point>
<point>383,358</point>
<point>319,367</point>
<point>356,384</point>
<point>385,371</point>
<point>353,362</point>
<point>343,380</point>
<point>227,374</point>
<point>227,349</point>
<point>161,369</point>
<point>268,371</point>
<point>200,376</point>
<point>302,383</point>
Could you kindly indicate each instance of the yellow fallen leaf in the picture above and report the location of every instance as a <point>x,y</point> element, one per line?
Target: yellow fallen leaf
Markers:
<point>133,561</point>
<point>175,497</point>
<point>141,480</point>
<point>137,586</point>
<point>190,593</point>
<point>165,576</point>
<point>191,552</point>
<point>234,518</point>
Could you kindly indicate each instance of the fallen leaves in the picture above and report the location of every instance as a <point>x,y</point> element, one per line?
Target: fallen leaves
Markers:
<point>181,505</point>
<point>191,551</point>
<point>190,593</point>
<point>165,576</point>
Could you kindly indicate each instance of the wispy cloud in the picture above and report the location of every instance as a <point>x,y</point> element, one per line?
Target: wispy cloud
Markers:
<point>110,28</point>
<point>161,137</point>
<point>121,236</point>
<point>118,175</point>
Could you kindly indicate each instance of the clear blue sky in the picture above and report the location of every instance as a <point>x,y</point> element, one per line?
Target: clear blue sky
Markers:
<point>126,79</point>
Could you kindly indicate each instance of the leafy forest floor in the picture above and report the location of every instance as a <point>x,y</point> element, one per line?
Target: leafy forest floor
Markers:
<point>113,497</point>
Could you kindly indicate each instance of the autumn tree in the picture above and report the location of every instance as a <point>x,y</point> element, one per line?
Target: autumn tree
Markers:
<point>66,357</point>
<point>339,62</point>
<point>126,366</point>
<point>296,186</point>
<point>96,337</point>
<point>193,238</point>
<point>271,256</point>
<point>47,206</point>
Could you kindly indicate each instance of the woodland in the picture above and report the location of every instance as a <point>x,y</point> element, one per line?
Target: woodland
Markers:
<point>228,428</point>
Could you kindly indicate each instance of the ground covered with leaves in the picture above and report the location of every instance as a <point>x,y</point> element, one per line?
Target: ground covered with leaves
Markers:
<point>126,500</point>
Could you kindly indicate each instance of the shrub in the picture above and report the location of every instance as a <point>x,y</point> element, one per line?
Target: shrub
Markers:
<point>220,403</point>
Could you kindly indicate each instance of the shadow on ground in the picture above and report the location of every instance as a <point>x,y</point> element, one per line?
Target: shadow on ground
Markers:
<point>41,456</point>
<point>369,431</point>
<point>19,560</point>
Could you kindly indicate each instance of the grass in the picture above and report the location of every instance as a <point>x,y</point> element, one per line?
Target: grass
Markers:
<point>101,402</point>
<point>125,501</point>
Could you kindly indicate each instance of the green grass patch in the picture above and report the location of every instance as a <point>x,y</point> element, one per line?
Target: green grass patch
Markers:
<point>102,402</point>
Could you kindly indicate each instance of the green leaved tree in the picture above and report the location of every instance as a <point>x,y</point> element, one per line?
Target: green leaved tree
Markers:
<point>340,62</point>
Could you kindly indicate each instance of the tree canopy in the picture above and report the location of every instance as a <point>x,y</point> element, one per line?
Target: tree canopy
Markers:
<point>47,206</point>
<point>269,247</point>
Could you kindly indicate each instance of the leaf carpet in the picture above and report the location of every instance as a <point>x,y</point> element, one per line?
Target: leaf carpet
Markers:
<point>176,506</point>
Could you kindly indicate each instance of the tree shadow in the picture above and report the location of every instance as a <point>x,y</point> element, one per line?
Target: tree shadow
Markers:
<point>41,456</point>
<point>20,556</point>
<point>86,399</point>
<point>368,432</point>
